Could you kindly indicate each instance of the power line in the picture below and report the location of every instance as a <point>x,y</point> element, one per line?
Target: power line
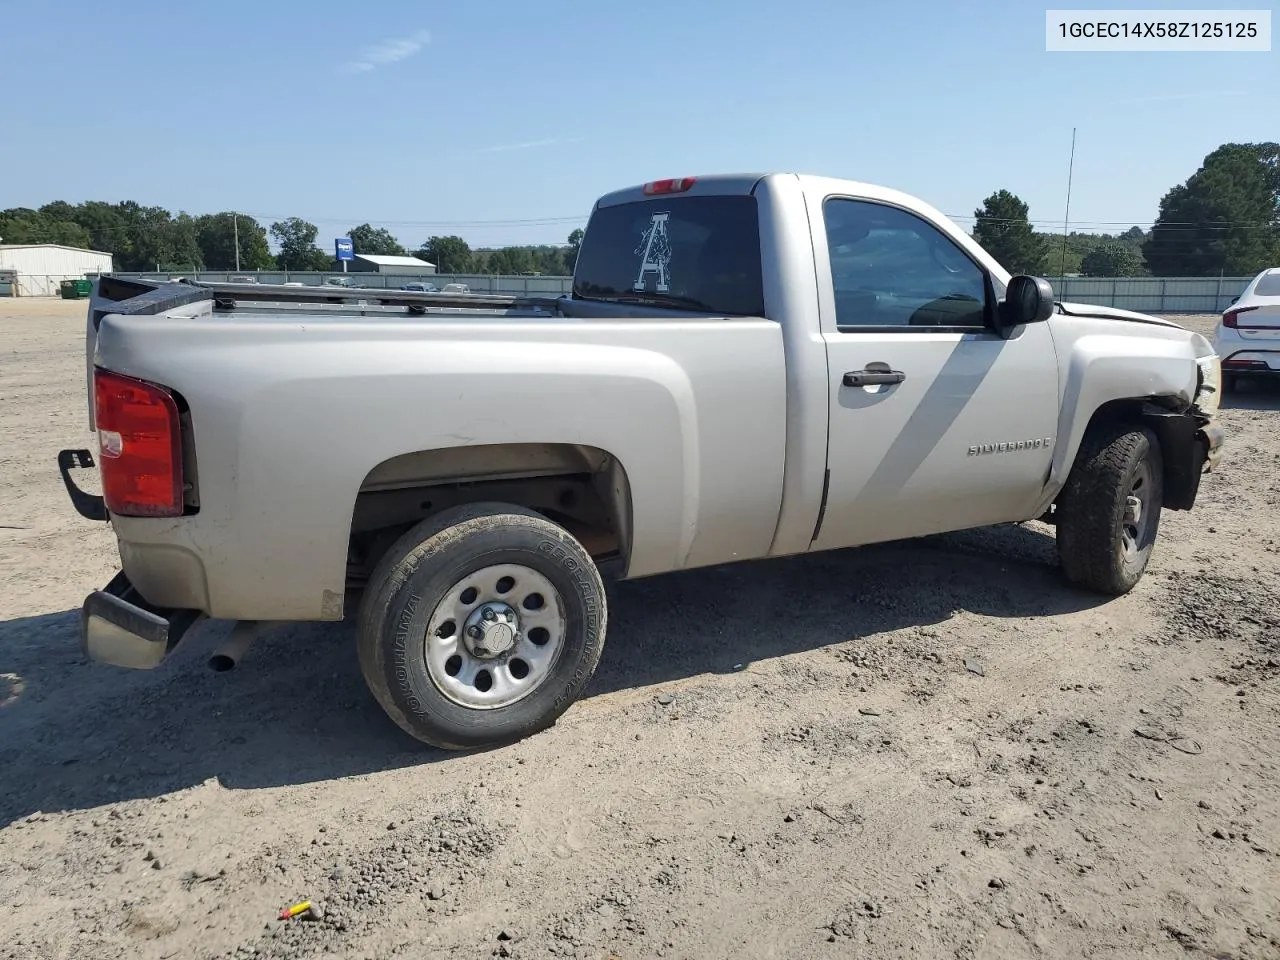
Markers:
<point>528,221</point>
<point>553,221</point>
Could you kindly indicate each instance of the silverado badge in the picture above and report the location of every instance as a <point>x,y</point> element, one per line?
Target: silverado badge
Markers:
<point>1011,446</point>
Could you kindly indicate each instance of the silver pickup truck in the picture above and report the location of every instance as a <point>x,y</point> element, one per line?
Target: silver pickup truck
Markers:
<point>747,367</point>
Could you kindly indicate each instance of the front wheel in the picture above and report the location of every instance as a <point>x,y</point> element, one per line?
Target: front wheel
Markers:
<point>480,626</point>
<point>1109,510</point>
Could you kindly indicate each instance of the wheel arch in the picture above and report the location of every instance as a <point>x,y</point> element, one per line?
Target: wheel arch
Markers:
<point>1174,425</point>
<point>582,488</point>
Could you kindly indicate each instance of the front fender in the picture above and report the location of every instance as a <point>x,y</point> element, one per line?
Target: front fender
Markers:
<point>1102,369</point>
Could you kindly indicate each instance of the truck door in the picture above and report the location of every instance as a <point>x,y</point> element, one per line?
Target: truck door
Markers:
<point>936,422</point>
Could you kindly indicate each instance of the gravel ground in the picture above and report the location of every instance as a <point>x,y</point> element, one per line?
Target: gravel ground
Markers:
<point>929,749</point>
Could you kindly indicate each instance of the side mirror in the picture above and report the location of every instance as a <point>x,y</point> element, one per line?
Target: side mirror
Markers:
<point>1026,300</point>
<point>1234,299</point>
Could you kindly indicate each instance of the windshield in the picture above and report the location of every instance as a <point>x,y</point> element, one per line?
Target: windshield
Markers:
<point>689,253</point>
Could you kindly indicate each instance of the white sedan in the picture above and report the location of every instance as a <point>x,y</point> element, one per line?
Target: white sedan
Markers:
<point>1247,337</point>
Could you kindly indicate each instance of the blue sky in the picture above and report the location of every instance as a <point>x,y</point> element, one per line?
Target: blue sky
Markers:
<point>424,116</point>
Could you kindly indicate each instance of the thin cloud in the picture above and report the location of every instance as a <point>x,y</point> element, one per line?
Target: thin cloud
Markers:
<point>529,144</point>
<point>387,52</point>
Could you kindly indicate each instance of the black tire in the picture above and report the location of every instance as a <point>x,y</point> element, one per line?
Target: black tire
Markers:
<point>414,577</point>
<point>1112,464</point>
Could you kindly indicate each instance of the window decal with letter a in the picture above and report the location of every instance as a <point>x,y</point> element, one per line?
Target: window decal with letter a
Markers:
<point>655,254</point>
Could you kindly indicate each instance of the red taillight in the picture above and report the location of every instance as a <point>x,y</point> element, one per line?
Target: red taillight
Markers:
<point>1234,364</point>
<point>676,185</point>
<point>139,445</point>
<point>1229,318</point>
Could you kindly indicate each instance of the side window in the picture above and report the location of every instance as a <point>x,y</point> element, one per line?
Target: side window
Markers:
<point>890,268</point>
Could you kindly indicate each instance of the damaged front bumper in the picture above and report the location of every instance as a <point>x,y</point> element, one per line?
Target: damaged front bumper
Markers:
<point>1191,446</point>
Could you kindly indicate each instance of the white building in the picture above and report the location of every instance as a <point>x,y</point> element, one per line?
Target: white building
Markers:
<point>39,268</point>
<point>398,266</point>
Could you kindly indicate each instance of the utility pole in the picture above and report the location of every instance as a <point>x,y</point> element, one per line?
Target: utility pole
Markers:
<point>1066,215</point>
<point>235,227</point>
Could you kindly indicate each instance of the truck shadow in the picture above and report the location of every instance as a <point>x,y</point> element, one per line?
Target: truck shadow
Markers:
<point>76,735</point>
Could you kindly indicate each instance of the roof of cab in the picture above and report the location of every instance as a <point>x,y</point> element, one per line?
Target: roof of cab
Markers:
<point>743,184</point>
<point>716,184</point>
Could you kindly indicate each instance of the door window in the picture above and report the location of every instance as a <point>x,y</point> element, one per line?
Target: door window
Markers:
<point>890,268</point>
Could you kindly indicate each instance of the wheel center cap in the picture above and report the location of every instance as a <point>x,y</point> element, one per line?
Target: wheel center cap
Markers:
<point>498,638</point>
<point>491,630</point>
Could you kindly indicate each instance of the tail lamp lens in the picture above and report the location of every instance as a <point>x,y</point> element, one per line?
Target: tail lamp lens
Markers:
<point>139,446</point>
<point>1232,317</point>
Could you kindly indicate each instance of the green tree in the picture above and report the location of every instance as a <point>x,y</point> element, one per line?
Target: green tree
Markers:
<point>376,240</point>
<point>109,232</point>
<point>1268,155</point>
<point>157,240</point>
<point>449,254</point>
<point>216,234</point>
<point>571,253</point>
<point>1222,220</point>
<point>1003,230</point>
<point>59,210</point>
<point>183,243</point>
<point>24,225</point>
<point>298,250</point>
<point>512,261</point>
<point>550,261</point>
<point>1111,259</point>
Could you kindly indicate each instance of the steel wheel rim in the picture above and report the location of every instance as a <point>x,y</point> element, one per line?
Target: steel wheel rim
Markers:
<point>1135,520</point>
<point>472,671</point>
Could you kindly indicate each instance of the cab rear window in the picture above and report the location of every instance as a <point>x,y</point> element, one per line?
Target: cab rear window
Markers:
<point>1268,286</point>
<point>689,253</point>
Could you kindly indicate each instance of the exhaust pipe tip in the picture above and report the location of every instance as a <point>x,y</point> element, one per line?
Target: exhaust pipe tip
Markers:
<point>229,652</point>
<point>221,663</point>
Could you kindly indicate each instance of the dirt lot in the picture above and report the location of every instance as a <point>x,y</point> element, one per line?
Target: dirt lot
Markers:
<point>782,759</point>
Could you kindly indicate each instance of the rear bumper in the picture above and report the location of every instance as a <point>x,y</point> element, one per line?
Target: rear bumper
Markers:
<point>119,627</point>
<point>1248,355</point>
<point>1253,363</point>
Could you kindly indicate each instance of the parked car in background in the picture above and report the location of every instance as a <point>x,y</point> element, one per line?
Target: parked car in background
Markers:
<point>1247,337</point>
<point>456,288</point>
<point>243,280</point>
<point>421,287</point>
<point>337,281</point>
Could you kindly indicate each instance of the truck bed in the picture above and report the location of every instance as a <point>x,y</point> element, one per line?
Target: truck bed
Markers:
<point>301,409</point>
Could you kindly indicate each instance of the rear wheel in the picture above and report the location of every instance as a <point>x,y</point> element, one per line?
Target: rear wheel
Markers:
<point>1110,509</point>
<point>480,626</point>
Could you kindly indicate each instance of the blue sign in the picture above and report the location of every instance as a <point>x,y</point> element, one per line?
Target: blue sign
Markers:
<point>344,249</point>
